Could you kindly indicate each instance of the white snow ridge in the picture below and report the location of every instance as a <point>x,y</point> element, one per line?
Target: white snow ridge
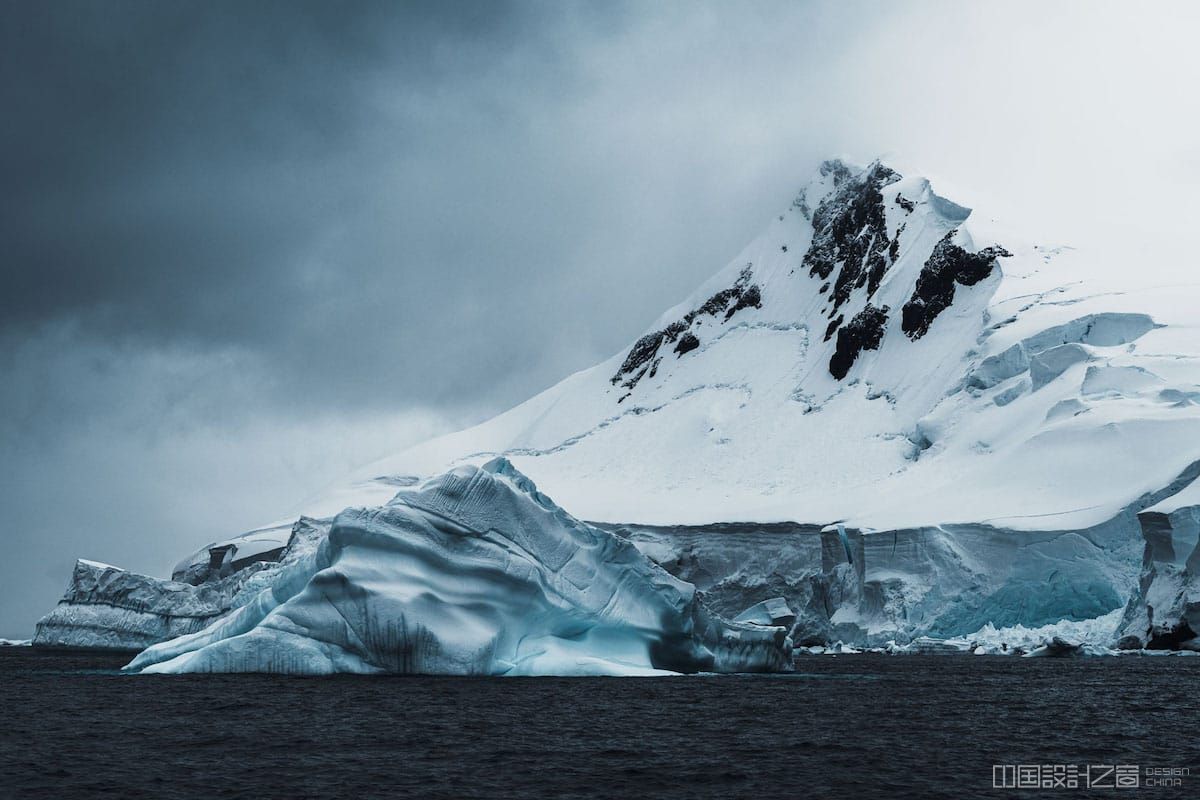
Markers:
<point>884,421</point>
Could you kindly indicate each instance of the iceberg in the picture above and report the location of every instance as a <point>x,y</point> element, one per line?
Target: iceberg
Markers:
<point>475,572</point>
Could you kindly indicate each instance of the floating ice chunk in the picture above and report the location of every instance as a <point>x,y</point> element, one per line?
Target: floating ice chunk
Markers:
<point>107,607</point>
<point>1056,647</point>
<point>926,645</point>
<point>475,572</point>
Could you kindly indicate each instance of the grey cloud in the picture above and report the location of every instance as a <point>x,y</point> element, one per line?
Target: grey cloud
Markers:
<point>370,193</point>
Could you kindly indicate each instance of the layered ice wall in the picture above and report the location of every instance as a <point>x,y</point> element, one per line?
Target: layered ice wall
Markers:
<point>1165,611</point>
<point>871,588</point>
<point>474,573</point>
<point>106,607</point>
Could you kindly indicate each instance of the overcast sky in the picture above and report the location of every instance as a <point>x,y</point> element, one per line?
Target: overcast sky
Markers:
<point>249,246</point>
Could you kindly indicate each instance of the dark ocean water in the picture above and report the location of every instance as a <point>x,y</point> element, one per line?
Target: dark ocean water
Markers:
<point>846,726</point>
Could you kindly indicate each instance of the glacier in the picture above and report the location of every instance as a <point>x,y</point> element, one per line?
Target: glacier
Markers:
<point>905,422</point>
<point>473,573</point>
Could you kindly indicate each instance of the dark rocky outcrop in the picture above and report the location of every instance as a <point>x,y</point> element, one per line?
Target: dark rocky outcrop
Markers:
<point>751,298</point>
<point>850,236</point>
<point>643,358</point>
<point>863,332</point>
<point>946,266</point>
<point>837,170</point>
<point>833,325</point>
<point>687,343</point>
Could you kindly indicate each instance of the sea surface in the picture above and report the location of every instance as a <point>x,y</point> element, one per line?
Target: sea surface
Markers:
<point>842,726</point>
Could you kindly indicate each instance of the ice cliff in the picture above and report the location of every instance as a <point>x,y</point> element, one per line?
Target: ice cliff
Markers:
<point>106,607</point>
<point>1164,613</point>
<point>474,573</point>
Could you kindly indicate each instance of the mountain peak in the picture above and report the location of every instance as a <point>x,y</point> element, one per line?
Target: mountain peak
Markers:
<point>830,270</point>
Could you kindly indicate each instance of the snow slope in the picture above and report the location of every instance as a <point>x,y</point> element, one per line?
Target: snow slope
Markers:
<point>1034,399</point>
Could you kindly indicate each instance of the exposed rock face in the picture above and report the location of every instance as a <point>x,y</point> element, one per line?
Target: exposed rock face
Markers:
<point>644,356</point>
<point>864,332</point>
<point>947,265</point>
<point>835,171</point>
<point>850,236</point>
<point>687,343</point>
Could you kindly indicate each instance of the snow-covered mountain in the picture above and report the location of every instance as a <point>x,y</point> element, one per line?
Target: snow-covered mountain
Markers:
<point>885,410</point>
<point>874,356</point>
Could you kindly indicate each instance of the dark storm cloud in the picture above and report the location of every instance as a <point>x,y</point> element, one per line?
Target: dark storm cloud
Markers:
<point>384,204</point>
<point>219,173</point>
